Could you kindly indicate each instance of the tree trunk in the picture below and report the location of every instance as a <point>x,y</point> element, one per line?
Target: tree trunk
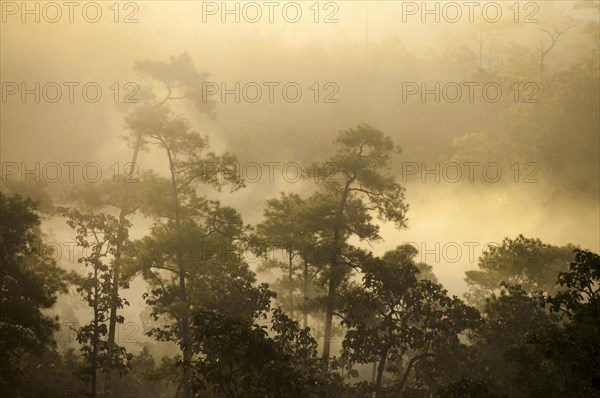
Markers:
<point>291,288</point>
<point>337,233</point>
<point>328,324</point>
<point>184,318</point>
<point>380,370</point>
<point>305,294</point>
<point>95,336</point>
<point>114,301</point>
<point>409,366</point>
<point>185,339</point>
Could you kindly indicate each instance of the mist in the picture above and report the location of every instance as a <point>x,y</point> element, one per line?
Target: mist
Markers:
<point>478,165</point>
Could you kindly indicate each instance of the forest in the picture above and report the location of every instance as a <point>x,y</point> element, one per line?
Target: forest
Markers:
<point>399,231</point>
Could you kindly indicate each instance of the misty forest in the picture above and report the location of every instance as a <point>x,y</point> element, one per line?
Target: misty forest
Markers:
<point>369,201</point>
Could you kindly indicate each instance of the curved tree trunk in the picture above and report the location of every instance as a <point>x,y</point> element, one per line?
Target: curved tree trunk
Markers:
<point>409,367</point>
<point>380,369</point>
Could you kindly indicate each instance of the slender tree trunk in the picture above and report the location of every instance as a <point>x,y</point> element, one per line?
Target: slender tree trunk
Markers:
<point>380,369</point>
<point>328,324</point>
<point>95,337</point>
<point>337,234</point>
<point>409,366</point>
<point>291,276</point>
<point>305,294</point>
<point>114,301</point>
<point>185,338</point>
<point>185,331</point>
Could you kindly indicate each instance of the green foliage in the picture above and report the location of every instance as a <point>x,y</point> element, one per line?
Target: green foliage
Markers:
<point>541,354</point>
<point>536,338</point>
<point>243,359</point>
<point>396,315</point>
<point>97,235</point>
<point>574,346</point>
<point>47,373</point>
<point>30,282</point>
<point>465,388</point>
<point>155,124</point>
<point>180,79</point>
<point>146,378</point>
<point>209,248</point>
<point>355,182</point>
<point>35,190</point>
<point>510,320</point>
<point>360,169</point>
<point>293,226</point>
<point>527,262</point>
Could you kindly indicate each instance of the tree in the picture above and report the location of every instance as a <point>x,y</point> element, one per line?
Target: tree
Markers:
<point>30,282</point>
<point>130,190</point>
<point>396,314</point>
<point>123,194</point>
<point>146,379</point>
<point>98,235</point>
<point>358,181</point>
<point>502,346</point>
<point>243,359</point>
<point>205,250</point>
<point>522,261</point>
<point>282,230</point>
<point>544,49</point>
<point>465,388</point>
<point>181,81</point>
<point>574,345</point>
<point>188,165</point>
<point>407,253</point>
<point>522,329</point>
<point>292,224</point>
